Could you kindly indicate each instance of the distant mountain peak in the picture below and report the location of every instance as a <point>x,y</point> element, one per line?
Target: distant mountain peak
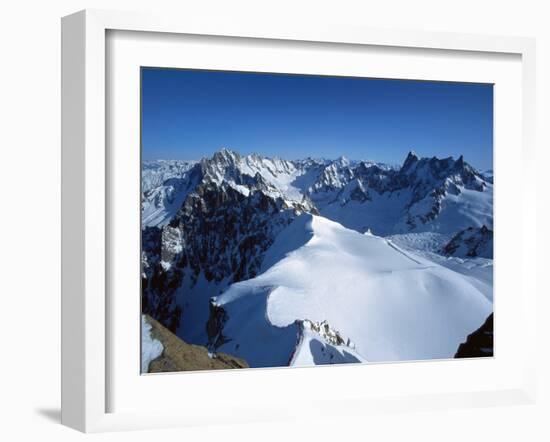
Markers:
<point>351,192</point>
<point>226,155</point>
<point>343,161</point>
<point>412,158</point>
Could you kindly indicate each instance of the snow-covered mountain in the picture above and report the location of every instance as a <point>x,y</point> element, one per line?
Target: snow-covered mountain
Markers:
<point>471,242</point>
<point>488,175</point>
<point>155,173</point>
<point>428,194</point>
<point>391,304</point>
<point>228,239</point>
<point>163,188</point>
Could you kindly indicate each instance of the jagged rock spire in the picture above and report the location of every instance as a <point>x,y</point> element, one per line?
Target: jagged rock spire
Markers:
<point>411,159</point>
<point>226,155</point>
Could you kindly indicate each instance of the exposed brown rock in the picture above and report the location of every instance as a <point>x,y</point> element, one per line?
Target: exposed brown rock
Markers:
<point>180,356</point>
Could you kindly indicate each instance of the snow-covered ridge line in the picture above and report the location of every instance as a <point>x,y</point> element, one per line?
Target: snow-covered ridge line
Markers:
<point>360,195</point>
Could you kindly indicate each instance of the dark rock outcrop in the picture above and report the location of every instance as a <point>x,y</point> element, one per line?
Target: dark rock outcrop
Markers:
<point>479,343</point>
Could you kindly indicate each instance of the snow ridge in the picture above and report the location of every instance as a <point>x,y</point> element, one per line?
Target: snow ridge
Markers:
<point>391,305</point>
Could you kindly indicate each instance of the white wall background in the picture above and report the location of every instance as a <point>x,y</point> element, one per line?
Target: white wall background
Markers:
<point>30,220</point>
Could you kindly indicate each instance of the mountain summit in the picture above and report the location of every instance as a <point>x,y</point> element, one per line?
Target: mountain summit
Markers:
<point>360,195</point>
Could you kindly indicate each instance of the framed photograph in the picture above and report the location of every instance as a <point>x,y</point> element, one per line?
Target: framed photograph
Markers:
<point>272,221</point>
<point>297,250</point>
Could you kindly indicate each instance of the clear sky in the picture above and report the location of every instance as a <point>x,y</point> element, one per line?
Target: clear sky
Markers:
<point>189,114</point>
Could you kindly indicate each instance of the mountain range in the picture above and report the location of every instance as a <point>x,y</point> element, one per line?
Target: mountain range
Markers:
<point>299,262</point>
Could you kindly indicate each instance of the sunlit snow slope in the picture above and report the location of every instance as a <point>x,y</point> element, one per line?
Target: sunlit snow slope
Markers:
<point>386,303</point>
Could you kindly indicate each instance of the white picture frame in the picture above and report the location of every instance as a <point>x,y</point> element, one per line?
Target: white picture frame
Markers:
<point>86,356</point>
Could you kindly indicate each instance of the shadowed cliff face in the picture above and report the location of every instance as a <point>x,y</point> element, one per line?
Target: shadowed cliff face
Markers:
<point>479,343</point>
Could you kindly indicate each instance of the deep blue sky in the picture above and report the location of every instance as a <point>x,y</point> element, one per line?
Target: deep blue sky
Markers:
<point>189,114</point>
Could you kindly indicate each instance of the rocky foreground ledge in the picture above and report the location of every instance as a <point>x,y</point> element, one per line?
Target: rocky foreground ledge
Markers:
<point>177,355</point>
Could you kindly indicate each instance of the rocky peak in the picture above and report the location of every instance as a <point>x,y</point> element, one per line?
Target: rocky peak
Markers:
<point>229,168</point>
<point>471,242</point>
<point>216,168</point>
<point>226,156</point>
<point>410,161</point>
<point>342,161</point>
